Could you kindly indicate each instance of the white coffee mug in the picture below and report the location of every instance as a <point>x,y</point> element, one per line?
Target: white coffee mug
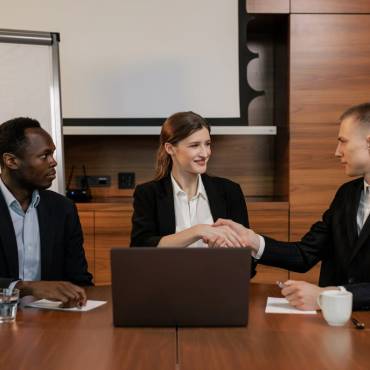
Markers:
<point>336,306</point>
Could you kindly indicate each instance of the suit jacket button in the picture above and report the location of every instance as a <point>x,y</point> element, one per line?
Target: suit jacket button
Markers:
<point>351,280</point>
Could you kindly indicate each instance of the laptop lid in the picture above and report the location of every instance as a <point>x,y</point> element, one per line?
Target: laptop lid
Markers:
<point>180,286</point>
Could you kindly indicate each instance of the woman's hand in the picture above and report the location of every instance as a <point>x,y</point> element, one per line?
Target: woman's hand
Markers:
<point>220,236</point>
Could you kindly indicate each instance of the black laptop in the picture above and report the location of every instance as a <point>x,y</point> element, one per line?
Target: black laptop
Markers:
<point>180,286</point>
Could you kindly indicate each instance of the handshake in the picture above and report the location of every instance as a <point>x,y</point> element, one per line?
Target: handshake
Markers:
<point>228,234</point>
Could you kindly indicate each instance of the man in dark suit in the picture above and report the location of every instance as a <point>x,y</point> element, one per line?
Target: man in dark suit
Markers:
<point>41,239</point>
<point>341,240</point>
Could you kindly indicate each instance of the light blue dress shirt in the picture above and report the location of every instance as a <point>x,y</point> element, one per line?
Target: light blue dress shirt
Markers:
<point>26,227</point>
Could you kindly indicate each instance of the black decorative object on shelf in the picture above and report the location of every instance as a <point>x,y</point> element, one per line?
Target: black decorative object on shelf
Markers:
<point>246,92</point>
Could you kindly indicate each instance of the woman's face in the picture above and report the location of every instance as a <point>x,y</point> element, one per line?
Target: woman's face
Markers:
<point>192,153</point>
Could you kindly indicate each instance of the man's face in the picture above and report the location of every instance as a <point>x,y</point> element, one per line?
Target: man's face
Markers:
<point>36,164</point>
<point>353,147</point>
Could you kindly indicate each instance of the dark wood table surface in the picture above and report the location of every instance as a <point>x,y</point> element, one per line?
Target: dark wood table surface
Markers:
<point>276,341</point>
<point>54,340</point>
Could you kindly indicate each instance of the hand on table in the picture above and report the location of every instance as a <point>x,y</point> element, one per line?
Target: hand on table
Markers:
<point>69,294</point>
<point>303,295</point>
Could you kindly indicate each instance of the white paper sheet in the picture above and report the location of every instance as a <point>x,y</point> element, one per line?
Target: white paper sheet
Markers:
<point>54,305</point>
<point>281,305</point>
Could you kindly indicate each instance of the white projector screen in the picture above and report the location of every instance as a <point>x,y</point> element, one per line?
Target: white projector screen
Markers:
<point>140,58</point>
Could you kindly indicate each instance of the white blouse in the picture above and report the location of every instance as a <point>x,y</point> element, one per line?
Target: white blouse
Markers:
<point>191,212</point>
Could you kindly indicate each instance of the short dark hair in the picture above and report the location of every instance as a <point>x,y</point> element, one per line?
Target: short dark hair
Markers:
<point>12,135</point>
<point>360,112</point>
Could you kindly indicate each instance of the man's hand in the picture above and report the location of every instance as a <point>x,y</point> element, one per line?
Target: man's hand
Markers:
<point>303,295</point>
<point>69,294</point>
<point>222,236</point>
<point>247,237</point>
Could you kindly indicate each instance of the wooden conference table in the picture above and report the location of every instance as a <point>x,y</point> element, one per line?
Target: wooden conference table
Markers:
<point>53,340</point>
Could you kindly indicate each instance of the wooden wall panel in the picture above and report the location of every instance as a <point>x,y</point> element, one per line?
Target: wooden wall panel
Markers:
<point>270,219</point>
<point>330,6</point>
<point>112,229</point>
<point>248,160</point>
<point>268,6</point>
<point>87,224</point>
<point>330,71</point>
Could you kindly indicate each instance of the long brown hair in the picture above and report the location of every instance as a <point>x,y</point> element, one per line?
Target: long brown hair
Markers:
<point>176,128</point>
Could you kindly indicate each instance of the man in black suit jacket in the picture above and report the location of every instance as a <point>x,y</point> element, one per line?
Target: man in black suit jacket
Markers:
<point>341,240</point>
<point>40,232</point>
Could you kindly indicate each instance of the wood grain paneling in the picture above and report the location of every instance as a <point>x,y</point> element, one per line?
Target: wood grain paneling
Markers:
<point>112,229</point>
<point>275,342</point>
<point>270,219</point>
<point>330,71</point>
<point>247,160</point>
<point>56,340</point>
<point>268,6</point>
<point>330,6</point>
<point>87,224</point>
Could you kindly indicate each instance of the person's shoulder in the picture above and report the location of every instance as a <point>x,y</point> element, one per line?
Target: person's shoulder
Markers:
<point>154,187</point>
<point>55,199</point>
<point>149,186</point>
<point>350,185</point>
<point>221,182</point>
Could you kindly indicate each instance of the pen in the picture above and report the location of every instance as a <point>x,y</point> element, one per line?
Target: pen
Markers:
<point>280,284</point>
<point>359,325</point>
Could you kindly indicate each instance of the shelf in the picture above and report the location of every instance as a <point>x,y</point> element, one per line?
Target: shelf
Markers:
<point>155,130</point>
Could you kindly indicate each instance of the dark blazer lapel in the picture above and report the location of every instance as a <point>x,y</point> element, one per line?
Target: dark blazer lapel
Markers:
<point>46,234</point>
<point>217,202</point>
<point>8,240</point>
<point>352,203</point>
<point>365,231</point>
<point>166,207</point>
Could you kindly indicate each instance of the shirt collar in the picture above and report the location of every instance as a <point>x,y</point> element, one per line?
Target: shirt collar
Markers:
<point>10,198</point>
<point>201,191</point>
<point>366,186</point>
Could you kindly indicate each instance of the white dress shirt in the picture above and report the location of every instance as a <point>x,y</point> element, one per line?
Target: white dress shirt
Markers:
<point>191,212</point>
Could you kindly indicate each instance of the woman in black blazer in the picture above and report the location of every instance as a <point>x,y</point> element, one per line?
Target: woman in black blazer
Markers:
<point>180,206</point>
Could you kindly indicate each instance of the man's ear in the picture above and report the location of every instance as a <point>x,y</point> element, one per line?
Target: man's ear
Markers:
<point>368,141</point>
<point>168,147</point>
<point>11,161</point>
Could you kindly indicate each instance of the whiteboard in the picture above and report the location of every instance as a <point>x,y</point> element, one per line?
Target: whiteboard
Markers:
<point>140,58</point>
<point>29,87</point>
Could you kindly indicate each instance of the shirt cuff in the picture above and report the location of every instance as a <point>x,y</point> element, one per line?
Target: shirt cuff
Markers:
<point>13,284</point>
<point>261,248</point>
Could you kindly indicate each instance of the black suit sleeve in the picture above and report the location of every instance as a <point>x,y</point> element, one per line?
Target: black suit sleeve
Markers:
<point>361,295</point>
<point>301,256</point>
<point>75,265</point>
<point>5,282</point>
<point>144,220</point>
